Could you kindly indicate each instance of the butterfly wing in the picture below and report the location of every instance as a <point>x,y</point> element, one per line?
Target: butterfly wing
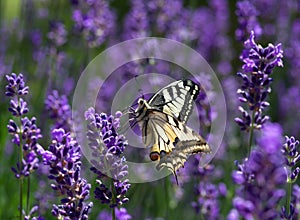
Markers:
<point>176,99</point>
<point>172,141</point>
<point>162,121</point>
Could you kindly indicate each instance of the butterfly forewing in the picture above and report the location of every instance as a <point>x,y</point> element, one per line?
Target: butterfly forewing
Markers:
<point>176,99</point>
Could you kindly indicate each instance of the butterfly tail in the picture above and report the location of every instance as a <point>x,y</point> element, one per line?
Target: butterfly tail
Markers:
<point>175,175</point>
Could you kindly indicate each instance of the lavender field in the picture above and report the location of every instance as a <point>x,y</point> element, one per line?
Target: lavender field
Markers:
<point>72,73</point>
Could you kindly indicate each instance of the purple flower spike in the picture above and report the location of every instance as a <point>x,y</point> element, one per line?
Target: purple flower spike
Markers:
<point>261,179</point>
<point>59,110</point>
<point>57,34</point>
<point>258,65</point>
<point>292,157</point>
<point>208,194</point>
<point>26,134</point>
<point>63,159</point>
<point>137,22</point>
<point>121,214</point>
<point>107,149</point>
<point>18,108</point>
<point>16,85</point>
<point>95,20</point>
<point>247,21</point>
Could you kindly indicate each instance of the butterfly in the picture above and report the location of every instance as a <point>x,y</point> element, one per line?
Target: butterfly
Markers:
<point>162,120</point>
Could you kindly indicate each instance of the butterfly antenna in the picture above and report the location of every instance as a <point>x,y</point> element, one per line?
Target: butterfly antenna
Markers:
<point>126,126</point>
<point>139,86</point>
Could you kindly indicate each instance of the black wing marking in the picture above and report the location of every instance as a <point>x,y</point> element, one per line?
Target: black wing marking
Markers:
<point>176,99</point>
<point>172,141</point>
<point>182,151</point>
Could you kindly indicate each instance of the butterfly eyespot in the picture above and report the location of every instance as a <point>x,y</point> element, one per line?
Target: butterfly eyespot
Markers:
<point>154,156</point>
<point>163,153</point>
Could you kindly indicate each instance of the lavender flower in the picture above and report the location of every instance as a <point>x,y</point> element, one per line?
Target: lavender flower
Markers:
<point>261,178</point>
<point>295,205</point>
<point>25,135</point>
<point>95,20</point>
<point>108,148</point>
<point>16,86</point>
<point>164,12</point>
<point>63,158</point>
<point>247,20</point>
<point>207,204</point>
<point>208,193</point>
<point>59,110</point>
<point>121,214</point>
<point>57,34</point>
<point>258,65</point>
<point>31,213</point>
<point>136,21</point>
<point>292,157</point>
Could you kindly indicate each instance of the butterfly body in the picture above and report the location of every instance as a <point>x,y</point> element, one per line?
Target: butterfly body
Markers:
<point>162,121</point>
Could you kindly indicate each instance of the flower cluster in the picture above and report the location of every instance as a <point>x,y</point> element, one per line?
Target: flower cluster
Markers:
<point>259,63</point>
<point>108,148</point>
<point>25,131</point>
<point>121,214</point>
<point>63,158</point>
<point>95,20</point>
<point>136,22</point>
<point>294,206</point>
<point>247,20</point>
<point>292,157</point>
<point>261,178</point>
<point>57,34</point>
<point>208,195</point>
<point>59,110</point>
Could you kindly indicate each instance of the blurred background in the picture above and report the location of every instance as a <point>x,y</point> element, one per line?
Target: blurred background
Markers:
<point>51,42</point>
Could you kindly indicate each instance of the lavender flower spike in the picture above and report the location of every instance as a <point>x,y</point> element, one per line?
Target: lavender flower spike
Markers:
<point>247,21</point>
<point>16,86</point>
<point>25,134</point>
<point>108,160</point>
<point>291,153</point>
<point>258,65</point>
<point>59,110</point>
<point>63,158</point>
<point>292,157</point>
<point>261,179</point>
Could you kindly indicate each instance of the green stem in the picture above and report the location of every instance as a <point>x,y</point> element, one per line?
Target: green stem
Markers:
<point>113,214</point>
<point>28,194</point>
<point>21,178</point>
<point>21,197</point>
<point>251,134</point>
<point>288,197</point>
<point>167,196</point>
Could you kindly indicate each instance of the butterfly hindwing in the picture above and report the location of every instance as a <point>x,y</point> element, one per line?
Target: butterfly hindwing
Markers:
<point>183,149</point>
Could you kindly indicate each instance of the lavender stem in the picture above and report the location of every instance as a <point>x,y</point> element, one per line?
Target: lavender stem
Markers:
<point>21,178</point>
<point>288,196</point>
<point>251,134</point>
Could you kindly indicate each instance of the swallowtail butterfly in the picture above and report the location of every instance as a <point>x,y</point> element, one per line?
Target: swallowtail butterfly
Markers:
<point>162,120</point>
